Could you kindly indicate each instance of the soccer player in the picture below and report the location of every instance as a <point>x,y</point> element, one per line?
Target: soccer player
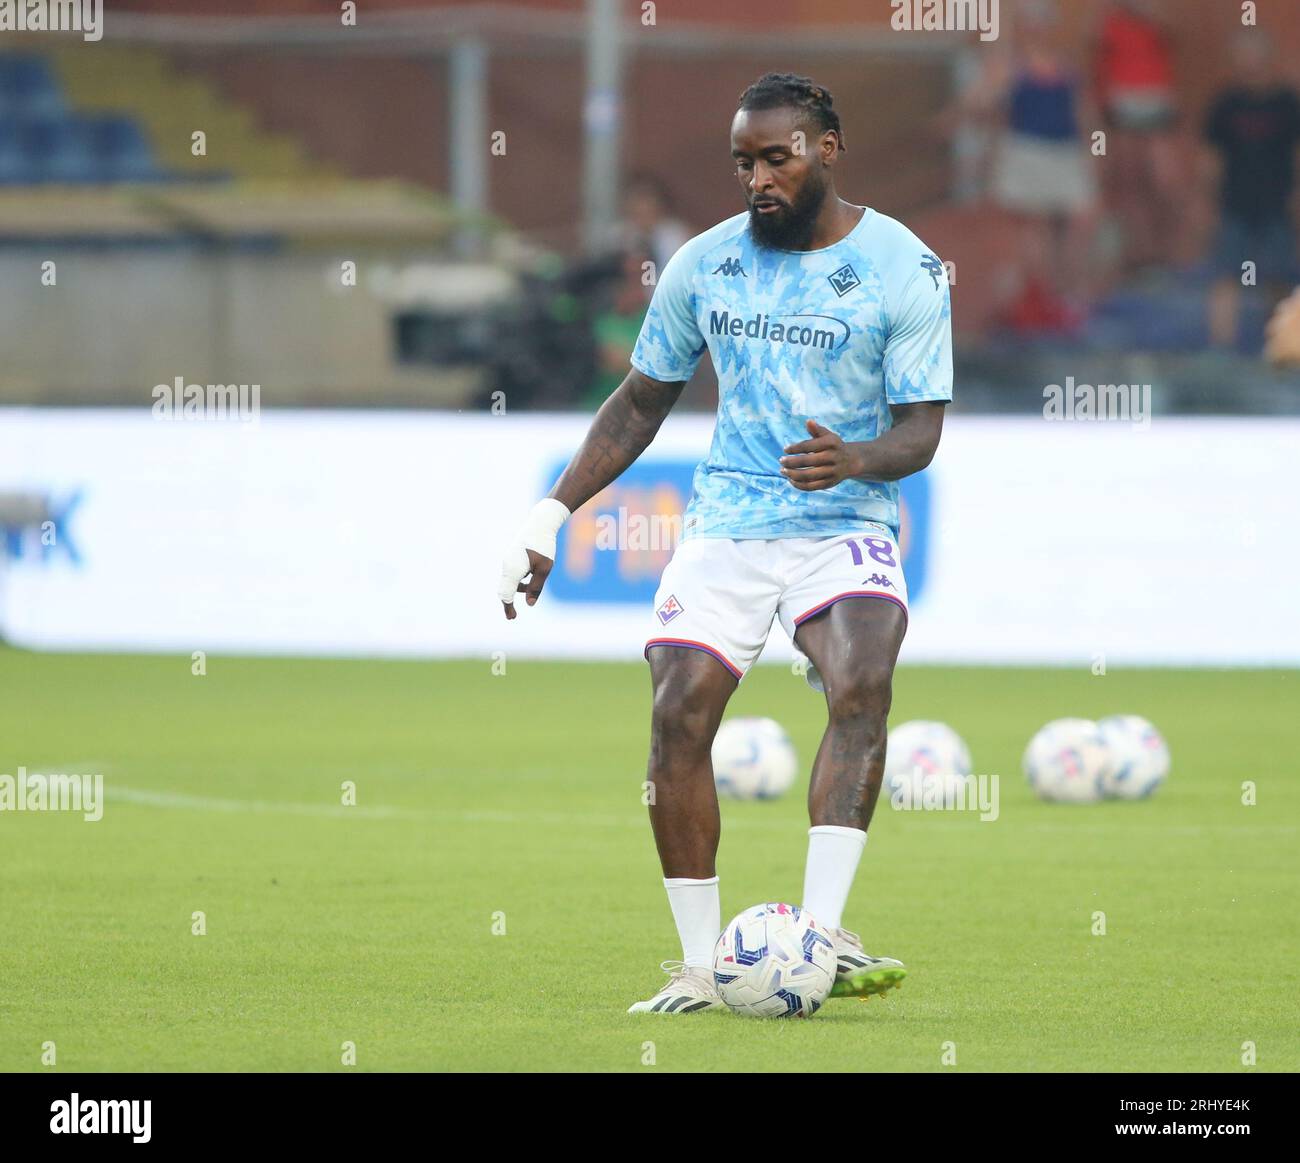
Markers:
<point>829,328</point>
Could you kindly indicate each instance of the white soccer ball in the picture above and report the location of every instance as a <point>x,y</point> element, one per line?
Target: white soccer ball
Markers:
<point>924,762</point>
<point>774,961</point>
<point>1139,757</point>
<point>753,759</point>
<point>1068,761</point>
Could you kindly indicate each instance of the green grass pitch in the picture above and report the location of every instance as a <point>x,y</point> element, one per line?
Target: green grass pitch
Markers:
<point>517,796</point>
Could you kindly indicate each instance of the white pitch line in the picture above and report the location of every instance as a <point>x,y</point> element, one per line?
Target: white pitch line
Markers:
<point>178,800</point>
<point>182,801</point>
<point>159,799</point>
<point>1153,826</point>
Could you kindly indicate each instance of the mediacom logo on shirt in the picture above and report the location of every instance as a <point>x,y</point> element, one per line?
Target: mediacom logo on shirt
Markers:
<point>799,335</point>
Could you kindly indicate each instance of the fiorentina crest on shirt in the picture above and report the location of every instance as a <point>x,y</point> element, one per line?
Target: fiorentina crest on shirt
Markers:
<point>670,608</point>
<point>844,280</point>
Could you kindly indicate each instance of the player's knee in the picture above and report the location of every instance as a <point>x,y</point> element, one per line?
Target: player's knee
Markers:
<point>682,720</point>
<point>863,694</point>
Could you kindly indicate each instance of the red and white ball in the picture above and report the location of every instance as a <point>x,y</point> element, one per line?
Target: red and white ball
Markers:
<point>1139,757</point>
<point>1068,762</point>
<point>774,961</point>
<point>753,759</point>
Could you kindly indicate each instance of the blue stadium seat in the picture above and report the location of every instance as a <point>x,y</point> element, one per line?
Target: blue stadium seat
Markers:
<point>15,169</point>
<point>28,88</point>
<point>122,152</point>
<point>59,150</point>
<point>42,141</point>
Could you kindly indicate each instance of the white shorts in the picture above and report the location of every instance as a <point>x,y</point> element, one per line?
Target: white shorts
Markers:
<point>720,596</point>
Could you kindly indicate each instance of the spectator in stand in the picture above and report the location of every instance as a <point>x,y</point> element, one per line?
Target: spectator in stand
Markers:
<point>1283,347</point>
<point>617,327</point>
<point>649,225</point>
<point>648,235</point>
<point>1135,87</point>
<point>1043,173</point>
<point>1254,127</point>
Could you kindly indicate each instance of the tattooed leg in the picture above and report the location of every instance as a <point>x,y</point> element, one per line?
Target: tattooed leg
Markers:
<point>854,645</point>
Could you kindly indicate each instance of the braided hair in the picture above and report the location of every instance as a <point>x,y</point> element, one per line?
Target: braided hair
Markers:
<point>811,102</point>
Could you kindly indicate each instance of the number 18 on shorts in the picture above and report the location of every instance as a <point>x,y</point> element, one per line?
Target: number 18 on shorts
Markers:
<point>721,596</point>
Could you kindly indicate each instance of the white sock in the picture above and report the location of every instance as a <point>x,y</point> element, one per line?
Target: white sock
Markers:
<point>697,909</point>
<point>833,854</point>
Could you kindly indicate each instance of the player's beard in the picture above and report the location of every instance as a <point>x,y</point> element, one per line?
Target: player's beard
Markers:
<point>791,227</point>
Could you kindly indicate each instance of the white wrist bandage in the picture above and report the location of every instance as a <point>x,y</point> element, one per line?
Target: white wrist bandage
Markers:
<point>537,533</point>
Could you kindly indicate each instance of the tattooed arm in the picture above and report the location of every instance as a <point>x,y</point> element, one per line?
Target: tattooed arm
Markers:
<point>621,431</point>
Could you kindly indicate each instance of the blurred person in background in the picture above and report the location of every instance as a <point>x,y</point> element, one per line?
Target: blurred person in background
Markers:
<point>646,237</point>
<point>1283,346</point>
<point>650,226</point>
<point>1042,174</point>
<point>616,328</point>
<point>1253,127</point>
<point>1134,69</point>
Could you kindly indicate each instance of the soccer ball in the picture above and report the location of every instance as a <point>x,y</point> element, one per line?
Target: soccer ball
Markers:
<point>753,759</point>
<point>925,760</point>
<point>1068,761</point>
<point>774,961</point>
<point>1139,757</point>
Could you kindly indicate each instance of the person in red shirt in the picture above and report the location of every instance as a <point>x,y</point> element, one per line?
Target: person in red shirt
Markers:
<point>1135,86</point>
<point>1043,177</point>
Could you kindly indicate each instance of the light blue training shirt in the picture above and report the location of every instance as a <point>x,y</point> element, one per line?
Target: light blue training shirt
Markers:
<point>836,335</point>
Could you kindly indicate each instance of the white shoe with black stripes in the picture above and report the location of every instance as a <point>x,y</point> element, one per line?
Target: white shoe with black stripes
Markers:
<point>858,973</point>
<point>690,990</point>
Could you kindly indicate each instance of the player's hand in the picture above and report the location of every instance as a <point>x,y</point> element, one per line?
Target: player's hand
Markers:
<point>531,565</point>
<point>819,463</point>
<point>1283,346</point>
<point>531,555</point>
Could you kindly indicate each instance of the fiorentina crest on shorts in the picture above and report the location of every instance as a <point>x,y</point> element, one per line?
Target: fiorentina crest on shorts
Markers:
<point>670,608</point>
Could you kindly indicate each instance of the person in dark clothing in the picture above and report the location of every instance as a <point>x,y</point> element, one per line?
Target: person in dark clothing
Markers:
<point>1254,126</point>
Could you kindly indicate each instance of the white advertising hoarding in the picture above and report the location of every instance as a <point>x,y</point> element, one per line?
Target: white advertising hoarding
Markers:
<point>381,533</point>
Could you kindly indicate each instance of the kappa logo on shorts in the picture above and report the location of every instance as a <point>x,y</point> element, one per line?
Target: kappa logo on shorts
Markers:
<point>878,579</point>
<point>669,610</point>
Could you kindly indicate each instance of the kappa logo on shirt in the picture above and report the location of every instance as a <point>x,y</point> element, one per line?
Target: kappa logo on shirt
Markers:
<point>934,268</point>
<point>843,280</point>
<point>730,266</point>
